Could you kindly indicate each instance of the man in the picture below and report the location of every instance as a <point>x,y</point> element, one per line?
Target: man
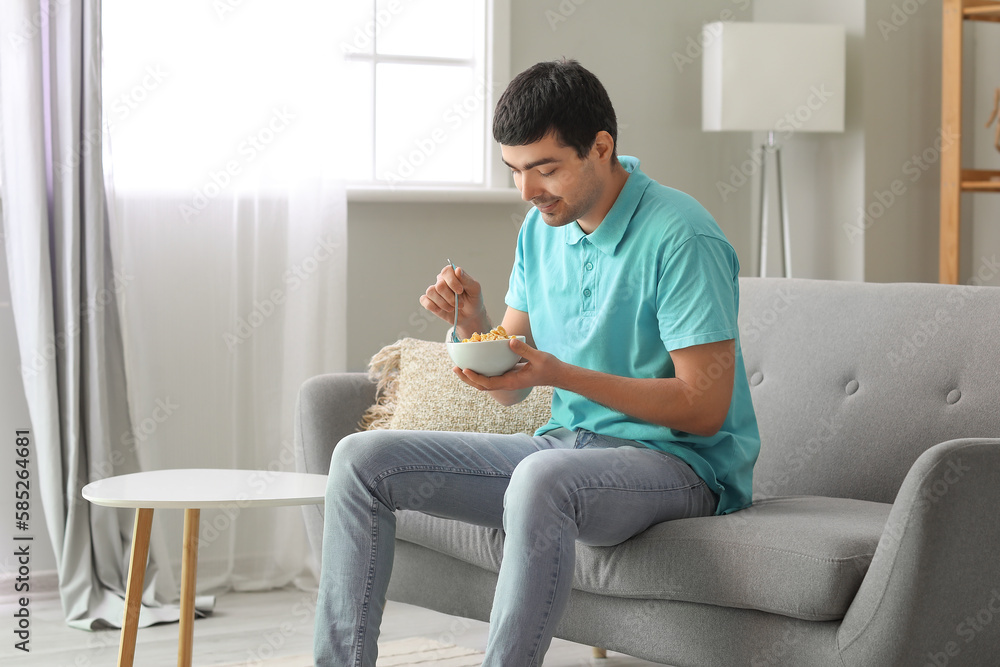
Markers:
<point>626,292</point>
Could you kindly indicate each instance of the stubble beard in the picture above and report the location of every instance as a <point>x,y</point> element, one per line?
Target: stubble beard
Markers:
<point>589,193</point>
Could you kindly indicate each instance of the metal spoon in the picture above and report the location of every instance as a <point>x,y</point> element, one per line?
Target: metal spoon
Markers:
<point>454,329</point>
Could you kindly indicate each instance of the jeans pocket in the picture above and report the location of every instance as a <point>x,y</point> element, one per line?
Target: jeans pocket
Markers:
<point>585,439</point>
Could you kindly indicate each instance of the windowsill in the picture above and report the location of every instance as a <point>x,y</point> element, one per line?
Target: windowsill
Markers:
<point>444,195</point>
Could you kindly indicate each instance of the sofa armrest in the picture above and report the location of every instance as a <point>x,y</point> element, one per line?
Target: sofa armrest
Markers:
<point>328,408</point>
<point>932,591</point>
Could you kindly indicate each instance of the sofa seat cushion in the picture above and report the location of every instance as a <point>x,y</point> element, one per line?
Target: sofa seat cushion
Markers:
<point>802,557</point>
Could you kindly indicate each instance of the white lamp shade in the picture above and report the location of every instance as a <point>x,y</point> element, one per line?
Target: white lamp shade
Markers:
<point>783,77</point>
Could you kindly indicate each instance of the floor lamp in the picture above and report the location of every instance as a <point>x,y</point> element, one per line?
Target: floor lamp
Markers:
<point>779,78</point>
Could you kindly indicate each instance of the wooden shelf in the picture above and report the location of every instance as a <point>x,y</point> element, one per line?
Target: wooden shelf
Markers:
<point>981,10</point>
<point>954,179</point>
<point>980,180</point>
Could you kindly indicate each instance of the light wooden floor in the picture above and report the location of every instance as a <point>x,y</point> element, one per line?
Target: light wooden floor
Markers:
<point>246,628</point>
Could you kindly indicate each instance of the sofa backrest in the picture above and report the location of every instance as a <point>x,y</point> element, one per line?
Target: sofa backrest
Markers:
<point>851,382</point>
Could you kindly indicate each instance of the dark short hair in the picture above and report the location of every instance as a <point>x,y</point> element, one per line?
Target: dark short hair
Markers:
<point>559,96</point>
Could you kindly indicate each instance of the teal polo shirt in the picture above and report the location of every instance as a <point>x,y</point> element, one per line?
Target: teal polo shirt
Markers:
<point>656,275</point>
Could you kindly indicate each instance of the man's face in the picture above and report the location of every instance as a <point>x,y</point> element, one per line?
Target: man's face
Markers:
<point>561,185</point>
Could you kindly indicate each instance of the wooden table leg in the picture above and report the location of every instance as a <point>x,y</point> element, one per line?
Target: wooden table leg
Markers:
<point>133,589</point>
<point>189,575</point>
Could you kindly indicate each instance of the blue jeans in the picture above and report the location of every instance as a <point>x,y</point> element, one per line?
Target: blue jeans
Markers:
<point>545,492</point>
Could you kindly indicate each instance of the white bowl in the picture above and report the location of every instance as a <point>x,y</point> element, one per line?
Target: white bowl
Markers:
<point>486,357</point>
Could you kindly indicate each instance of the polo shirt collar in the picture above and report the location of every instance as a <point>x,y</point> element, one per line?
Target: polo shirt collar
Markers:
<point>609,233</point>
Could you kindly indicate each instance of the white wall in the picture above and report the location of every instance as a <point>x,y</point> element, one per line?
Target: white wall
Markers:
<point>902,123</point>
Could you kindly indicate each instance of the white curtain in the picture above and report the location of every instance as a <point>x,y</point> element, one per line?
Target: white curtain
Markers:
<point>228,228</point>
<point>223,321</point>
<point>227,289</point>
<point>63,296</point>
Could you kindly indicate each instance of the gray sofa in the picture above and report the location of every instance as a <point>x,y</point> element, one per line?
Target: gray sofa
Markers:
<point>873,539</point>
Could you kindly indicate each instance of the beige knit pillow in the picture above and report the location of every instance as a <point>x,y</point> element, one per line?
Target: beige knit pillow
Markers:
<point>418,391</point>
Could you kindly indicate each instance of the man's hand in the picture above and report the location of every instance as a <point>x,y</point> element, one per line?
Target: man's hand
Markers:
<point>537,369</point>
<point>440,298</point>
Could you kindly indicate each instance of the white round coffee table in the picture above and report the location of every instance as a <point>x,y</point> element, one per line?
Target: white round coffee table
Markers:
<point>190,490</point>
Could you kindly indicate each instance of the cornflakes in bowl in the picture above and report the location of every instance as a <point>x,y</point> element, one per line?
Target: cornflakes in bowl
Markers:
<point>485,353</point>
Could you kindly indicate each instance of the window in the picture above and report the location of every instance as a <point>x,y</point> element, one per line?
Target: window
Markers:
<point>399,93</point>
<point>420,87</point>
<point>208,96</point>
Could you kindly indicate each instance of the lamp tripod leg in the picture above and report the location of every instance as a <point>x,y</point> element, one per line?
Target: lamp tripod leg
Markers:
<point>786,243</point>
<point>762,226</point>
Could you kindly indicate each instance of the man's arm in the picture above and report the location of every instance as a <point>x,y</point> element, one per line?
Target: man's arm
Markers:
<point>695,401</point>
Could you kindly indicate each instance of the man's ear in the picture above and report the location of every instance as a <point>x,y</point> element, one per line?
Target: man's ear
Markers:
<point>604,145</point>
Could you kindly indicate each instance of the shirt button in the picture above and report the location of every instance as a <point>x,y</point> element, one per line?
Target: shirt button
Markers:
<point>586,292</point>
<point>589,266</point>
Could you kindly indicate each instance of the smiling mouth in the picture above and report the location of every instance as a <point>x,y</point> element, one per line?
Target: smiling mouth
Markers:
<point>545,208</point>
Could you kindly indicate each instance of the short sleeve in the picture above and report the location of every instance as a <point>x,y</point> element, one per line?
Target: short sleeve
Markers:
<point>516,297</point>
<point>696,298</point>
